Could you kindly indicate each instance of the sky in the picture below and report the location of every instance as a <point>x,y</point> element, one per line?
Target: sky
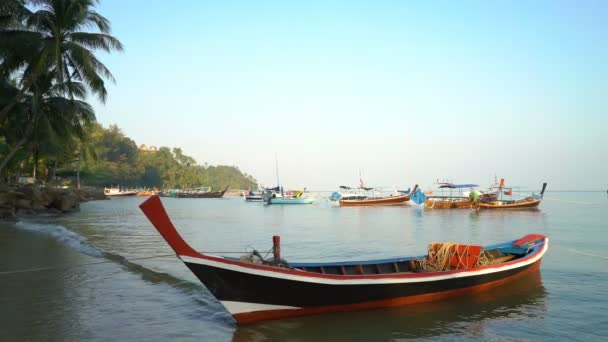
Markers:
<point>401,92</point>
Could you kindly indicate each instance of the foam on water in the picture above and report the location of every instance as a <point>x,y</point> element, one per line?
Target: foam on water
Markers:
<point>64,235</point>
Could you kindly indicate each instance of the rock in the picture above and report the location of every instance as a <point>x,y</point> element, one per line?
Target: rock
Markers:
<point>53,211</point>
<point>7,214</point>
<point>8,199</point>
<point>38,206</point>
<point>67,201</point>
<point>91,194</point>
<point>22,203</point>
<point>25,212</point>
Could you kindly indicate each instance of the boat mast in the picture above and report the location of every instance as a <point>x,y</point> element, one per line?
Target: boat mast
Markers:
<point>276,161</point>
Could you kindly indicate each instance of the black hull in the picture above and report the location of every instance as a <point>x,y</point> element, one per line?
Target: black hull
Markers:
<point>227,285</point>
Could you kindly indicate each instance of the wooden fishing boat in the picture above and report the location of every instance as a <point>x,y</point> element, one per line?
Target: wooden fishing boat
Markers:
<point>201,194</point>
<point>530,202</point>
<point>448,203</point>
<point>370,202</point>
<point>118,192</point>
<point>146,193</point>
<point>253,289</point>
<point>451,201</point>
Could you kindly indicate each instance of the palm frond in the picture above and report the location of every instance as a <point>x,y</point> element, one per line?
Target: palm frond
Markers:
<point>96,41</point>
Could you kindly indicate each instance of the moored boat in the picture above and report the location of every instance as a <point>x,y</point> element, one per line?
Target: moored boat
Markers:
<point>252,288</point>
<point>252,196</point>
<point>201,194</point>
<point>118,192</point>
<point>529,202</point>
<point>370,202</point>
<point>146,193</point>
<point>450,201</point>
<point>292,197</point>
<point>399,199</point>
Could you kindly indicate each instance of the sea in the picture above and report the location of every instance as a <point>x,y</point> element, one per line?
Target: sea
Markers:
<point>105,274</point>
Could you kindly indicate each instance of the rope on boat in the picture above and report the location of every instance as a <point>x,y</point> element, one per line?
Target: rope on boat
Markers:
<point>558,200</point>
<point>438,260</point>
<point>587,254</point>
<point>58,267</point>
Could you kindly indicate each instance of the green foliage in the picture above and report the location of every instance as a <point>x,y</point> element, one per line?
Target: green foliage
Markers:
<point>120,162</point>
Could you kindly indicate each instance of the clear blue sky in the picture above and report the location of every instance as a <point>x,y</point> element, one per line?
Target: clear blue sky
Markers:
<point>404,91</point>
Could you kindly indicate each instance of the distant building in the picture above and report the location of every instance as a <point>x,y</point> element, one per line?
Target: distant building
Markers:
<point>145,148</point>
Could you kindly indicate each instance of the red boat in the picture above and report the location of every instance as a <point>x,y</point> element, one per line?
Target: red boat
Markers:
<point>254,289</point>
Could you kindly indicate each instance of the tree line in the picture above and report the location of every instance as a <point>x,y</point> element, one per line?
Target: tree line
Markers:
<point>111,158</point>
<point>48,69</point>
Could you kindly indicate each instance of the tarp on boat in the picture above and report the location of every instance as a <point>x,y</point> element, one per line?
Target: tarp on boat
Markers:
<point>418,196</point>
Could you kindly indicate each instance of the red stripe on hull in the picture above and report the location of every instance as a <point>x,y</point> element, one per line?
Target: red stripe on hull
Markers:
<point>252,317</point>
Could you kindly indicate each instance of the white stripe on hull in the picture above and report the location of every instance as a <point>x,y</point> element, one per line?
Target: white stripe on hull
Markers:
<point>305,277</point>
<point>242,307</point>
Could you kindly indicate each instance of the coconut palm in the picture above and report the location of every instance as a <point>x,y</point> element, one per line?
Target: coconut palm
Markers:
<point>45,114</point>
<point>54,38</point>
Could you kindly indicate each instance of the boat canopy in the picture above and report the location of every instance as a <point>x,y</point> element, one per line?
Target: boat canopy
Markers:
<point>457,186</point>
<point>344,187</point>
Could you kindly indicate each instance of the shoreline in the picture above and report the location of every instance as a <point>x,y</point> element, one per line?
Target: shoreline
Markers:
<point>34,200</point>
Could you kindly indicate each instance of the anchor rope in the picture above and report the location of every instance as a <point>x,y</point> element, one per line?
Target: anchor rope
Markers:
<point>58,267</point>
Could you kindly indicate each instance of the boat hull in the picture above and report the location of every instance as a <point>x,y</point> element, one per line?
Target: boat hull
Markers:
<point>252,292</point>
<point>446,204</point>
<point>275,298</point>
<point>291,201</point>
<point>526,204</point>
<point>370,202</point>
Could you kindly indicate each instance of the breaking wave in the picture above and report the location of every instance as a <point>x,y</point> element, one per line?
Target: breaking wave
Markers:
<point>64,235</point>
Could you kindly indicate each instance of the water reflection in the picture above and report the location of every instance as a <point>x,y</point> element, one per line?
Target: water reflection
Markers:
<point>463,316</point>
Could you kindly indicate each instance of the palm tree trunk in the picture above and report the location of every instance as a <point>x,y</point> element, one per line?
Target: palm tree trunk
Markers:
<point>54,177</point>
<point>35,164</point>
<point>78,169</point>
<point>12,153</point>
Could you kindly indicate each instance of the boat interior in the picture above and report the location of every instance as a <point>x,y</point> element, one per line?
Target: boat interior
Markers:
<point>441,257</point>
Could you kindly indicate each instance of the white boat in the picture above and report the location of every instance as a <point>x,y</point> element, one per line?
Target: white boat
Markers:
<point>115,192</point>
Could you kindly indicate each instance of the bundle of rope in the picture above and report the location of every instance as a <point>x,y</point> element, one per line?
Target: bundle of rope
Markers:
<point>450,255</point>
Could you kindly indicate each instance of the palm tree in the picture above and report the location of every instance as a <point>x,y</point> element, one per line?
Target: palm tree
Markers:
<point>54,38</point>
<point>46,112</point>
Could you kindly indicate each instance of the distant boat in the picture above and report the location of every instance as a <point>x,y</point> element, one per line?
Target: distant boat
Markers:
<point>347,193</point>
<point>450,201</point>
<point>524,203</point>
<point>201,194</point>
<point>146,193</point>
<point>367,201</point>
<point>117,192</point>
<point>254,288</point>
<point>252,196</point>
<point>293,197</point>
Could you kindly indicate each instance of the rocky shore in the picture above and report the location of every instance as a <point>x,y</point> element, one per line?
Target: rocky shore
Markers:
<point>34,199</point>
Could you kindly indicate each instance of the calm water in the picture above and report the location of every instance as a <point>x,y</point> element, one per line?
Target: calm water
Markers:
<point>120,296</point>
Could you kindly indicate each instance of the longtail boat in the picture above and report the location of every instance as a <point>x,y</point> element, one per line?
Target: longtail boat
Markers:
<point>252,288</point>
<point>200,194</point>
<point>450,201</point>
<point>524,203</point>
<point>370,202</point>
<point>400,199</point>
